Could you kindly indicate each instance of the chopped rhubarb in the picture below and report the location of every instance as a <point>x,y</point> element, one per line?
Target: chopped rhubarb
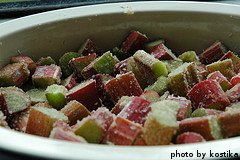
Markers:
<point>3,122</point>
<point>19,121</point>
<point>189,56</point>
<point>234,93</point>
<point>122,67</point>
<point>122,102</point>
<point>45,61</point>
<point>133,42</point>
<point>150,96</point>
<point>14,74</point>
<point>56,96</point>
<point>123,85</point>
<point>208,127</point>
<point>150,67</point>
<point>189,137</point>
<point>75,111</point>
<point>235,79</point>
<point>64,63</point>
<point>161,52</point>
<point>200,112</point>
<point>81,62</point>
<point>235,60</point>
<point>46,75</point>
<point>70,81</point>
<point>160,86</point>
<point>150,46</point>
<point>136,111</point>
<point>118,53</point>
<point>122,132</point>
<point>88,47</point>
<point>139,141</point>
<point>213,53</point>
<point>225,67</point>
<point>217,76</point>
<point>24,59</point>
<point>37,95</point>
<point>85,93</point>
<point>208,94</point>
<point>41,120</point>
<point>162,122</point>
<point>172,64</point>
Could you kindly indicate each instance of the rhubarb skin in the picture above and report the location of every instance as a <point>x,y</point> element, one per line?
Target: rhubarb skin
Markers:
<point>122,132</point>
<point>212,53</point>
<point>24,59</point>
<point>235,59</point>
<point>161,52</point>
<point>136,111</point>
<point>19,121</point>
<point>70,81</point>
<point>189,137</point>
<point>122,66</point>
<point>234,93</point>
<point>122,102</point>
<point>208,94</point>
<point>45,61</point>
<point>88,47</point>
<point>217,76</point>
<point>85,93</point>
<point>75,111</point>
<point>123,85</point>
<point>133,42</point>
<point>235,80</point>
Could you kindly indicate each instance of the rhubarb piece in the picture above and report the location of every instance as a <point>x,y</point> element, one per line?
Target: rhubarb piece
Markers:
<point>64,63</point>
<point>122,102</point>
<point>208,94</point>
<point>164,96</point>
<point>46,75</point>
<point>85,93</point>
<point>160,86</point>
<point>3,122</point>
<point>123,85</point>
<point>56,96</point>
<point>213,53</point>
<point>161,124</point>
<point>101,80</point>
<point>118,53</point>
<point>235,60</point>
<point>225,67</point>
<point>150,67</point>
<point>122,132</point>
<point>233,106</point>
<point>45,61</point>
<point>161,52</point>
<point>150,46</point>
<point>133,42</point>
<point>75,111</point>
<point>208,127</point>
<point>88,47</point>
<point>217,76</point>
<point>185,109</point>
<point>189,137</point>
<point>234,93</point>
<point>139,141</point>
<point>70,81</point>
<point>189,56</point>
<point>200,112</point>
<point>89,71</point>
<point>81,62</point>
<point>173,64</point>
<point>62,131</point>
<point>41,120</point>
<point>122,67</point>
<point>235,79</point>
<point>229,122</point>
<point>136,111</point>
<point>201,69</point>
<point>37,95</point>
<point>13,100</point>
<point>14,75</point>
<point>44,104</point>
<point>89,129</point>
<point>19,121</point>
<point>24,59</point>
<point>150,96</point>
<point>105,64</point>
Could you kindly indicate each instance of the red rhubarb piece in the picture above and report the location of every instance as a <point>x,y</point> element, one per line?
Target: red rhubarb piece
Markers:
<point>122,132</point>
<point>189,137</point>
<point>123,85</point>
<point>234,93</point>
<point>134,41</point>
<point>19,121</point>
<point>221,79</point>
<point>70,81</point>
<point>208,94</point>
<point>122,102</point>
<point>122,67</point>
<point>213,53</point>
<point>161,52</point>
<point>85,93</point>
<point>136,111</point>
<point>24,59</point>
<point>235,60</point>
<point>235,80</point>
<point>139,141</point>
<point>88,47</point>
<point>150,96</point>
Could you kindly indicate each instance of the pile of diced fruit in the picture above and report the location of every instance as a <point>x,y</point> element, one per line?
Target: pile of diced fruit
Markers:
<point>139,93</point>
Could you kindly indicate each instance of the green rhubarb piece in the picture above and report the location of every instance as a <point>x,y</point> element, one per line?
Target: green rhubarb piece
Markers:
<point>64,62</point>
<point>105,64</point>
<point>233,107</point>
<point>173,64</point>
<point>150,45</point>
<point>37,95</point>
<point>225,67</point>
<point>215,127</point>
<point>162,122</point>
<point>89,129</point>
<point>45,61</point>
<point>200,112</point>
<point>189,56</point>
<point>56,96</point>
<point>160,86</point>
